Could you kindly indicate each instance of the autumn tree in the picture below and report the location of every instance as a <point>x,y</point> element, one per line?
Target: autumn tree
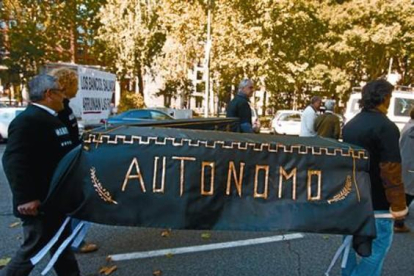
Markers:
<point>132,34</point>
<point>363,36</point>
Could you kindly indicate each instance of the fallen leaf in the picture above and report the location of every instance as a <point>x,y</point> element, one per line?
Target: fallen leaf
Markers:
<point>4,261</point>
<point>206,236</point>
<point>107,269</point>
<point>169,255</point>
<point>166,233</point>
<point>325,237</point>
<point>15,224</point>
<point>157,273</point>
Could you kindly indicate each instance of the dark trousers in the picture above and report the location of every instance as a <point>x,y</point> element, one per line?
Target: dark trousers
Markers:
<point>37,232</point>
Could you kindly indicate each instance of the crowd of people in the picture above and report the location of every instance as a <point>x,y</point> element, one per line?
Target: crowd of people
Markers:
<point>52,128</point>
<point>390,166</point>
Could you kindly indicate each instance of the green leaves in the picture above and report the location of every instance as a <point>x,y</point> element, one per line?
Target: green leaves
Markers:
<point>292,49</point>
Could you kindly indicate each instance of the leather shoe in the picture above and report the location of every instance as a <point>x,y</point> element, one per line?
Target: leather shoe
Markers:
<point>402,229</point>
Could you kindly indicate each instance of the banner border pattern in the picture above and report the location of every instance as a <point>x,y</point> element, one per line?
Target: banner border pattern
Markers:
<point>258,147</point>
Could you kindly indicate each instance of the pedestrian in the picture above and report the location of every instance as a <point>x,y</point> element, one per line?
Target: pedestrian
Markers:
<point>410,123</point>
<point>239,107</point>
<point>309,115</point>
<point>372,130</point>
<point>407,157</point>
<point>68,82</point>
<point>327,124</point>
<point>38,140</point>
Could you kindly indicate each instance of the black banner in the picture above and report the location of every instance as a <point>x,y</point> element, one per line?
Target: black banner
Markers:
<point>192,179</point>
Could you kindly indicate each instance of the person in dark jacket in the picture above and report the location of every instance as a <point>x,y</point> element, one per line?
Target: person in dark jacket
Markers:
<point>407,161</point>
<point>327,124</point>
<point>372,130</point>
<point>239,106</point>
<point>68,81</point>
<point>38,140</point>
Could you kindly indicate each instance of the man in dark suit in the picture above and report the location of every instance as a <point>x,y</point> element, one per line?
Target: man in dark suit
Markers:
<point>38,140</point>
<point>240,108</point>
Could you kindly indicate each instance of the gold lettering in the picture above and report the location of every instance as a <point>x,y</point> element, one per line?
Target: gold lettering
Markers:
<point>134,164</point>
<point>283,174</point>
<point>182,171</point>
<point>319,187</point>
<point>265,192</point>
<point>211,191</point>
<point>154,182</point>
<point>238,181</point>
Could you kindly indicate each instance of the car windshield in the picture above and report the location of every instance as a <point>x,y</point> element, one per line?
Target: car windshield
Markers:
<point>155,115</point>
<point>290,117</point>
<point>137,114</point>
<point>402,106</point>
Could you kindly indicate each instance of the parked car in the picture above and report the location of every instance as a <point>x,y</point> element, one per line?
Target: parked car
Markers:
<point>138,115</point>
<point>255,121</point>
<point>287,122</point>
<point>7,114</point>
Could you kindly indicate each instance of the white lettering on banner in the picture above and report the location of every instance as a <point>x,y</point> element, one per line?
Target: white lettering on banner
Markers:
<point>95,105</point>
<point>97,84</point>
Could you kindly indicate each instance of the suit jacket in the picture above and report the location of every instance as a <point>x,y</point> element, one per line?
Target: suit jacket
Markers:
<point>69,120</point>
<point>239,107</point>
<point>37,142</point>
<point>327,125</point>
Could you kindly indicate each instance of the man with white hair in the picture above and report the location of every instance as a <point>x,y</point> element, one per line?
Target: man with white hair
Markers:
<point>38,140</point>
<point>240,108</point>
<point>309,115</point>
<point>327,125</point>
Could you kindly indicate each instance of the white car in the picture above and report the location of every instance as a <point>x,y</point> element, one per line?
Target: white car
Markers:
<point>287,122</point>
<point>255,121</point>
<point>7,114</point>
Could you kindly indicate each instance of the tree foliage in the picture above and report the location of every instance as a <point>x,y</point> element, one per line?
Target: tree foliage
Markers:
<point>132,33</point>
<point>130,100</point>
<point>36,32</point>
<point>292,49</point>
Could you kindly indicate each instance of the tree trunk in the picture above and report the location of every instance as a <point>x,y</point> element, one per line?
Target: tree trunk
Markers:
<point>73,33</point>
<point>140,80</point>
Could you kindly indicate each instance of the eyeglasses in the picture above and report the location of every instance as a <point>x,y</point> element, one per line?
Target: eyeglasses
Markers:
<point>56,90</point>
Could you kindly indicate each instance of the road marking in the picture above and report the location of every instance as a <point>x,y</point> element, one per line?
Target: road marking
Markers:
<point>206,247</point>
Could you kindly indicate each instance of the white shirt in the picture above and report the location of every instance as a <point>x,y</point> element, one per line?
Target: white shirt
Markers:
<point>51,111</point>
<point>307,128</point>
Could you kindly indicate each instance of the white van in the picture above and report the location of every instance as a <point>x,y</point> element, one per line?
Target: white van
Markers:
<point>399,111</point>
<point>95,91</point>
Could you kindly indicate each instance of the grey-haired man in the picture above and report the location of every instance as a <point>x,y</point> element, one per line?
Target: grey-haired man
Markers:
<point>327,124</point>
<point>309,115</point>
<point>38,140</point>
<point>240,108</point>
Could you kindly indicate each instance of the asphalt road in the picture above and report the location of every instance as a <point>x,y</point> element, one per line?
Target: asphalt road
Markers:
<point>307,256</point>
